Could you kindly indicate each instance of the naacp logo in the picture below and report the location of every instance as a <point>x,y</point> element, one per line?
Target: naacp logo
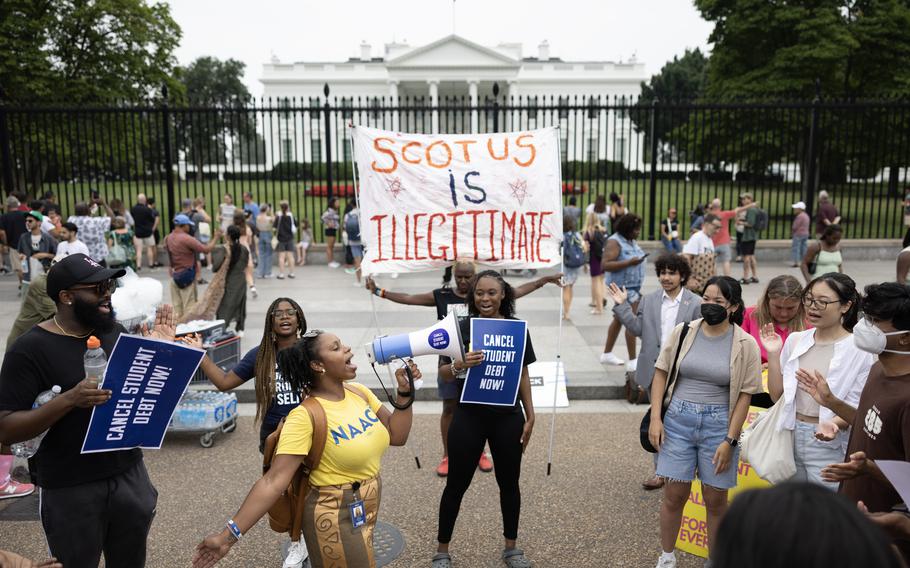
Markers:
<point>873,423</point>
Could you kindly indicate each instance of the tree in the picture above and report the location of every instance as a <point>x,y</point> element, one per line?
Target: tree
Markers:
<point>75,52</point>
<point>680,80</point>
<point>218,86</point>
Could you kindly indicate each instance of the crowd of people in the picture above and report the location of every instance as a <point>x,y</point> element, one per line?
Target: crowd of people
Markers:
<point>834,356</point>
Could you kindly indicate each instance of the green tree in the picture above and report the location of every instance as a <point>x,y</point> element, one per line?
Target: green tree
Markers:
<point>216,136</point>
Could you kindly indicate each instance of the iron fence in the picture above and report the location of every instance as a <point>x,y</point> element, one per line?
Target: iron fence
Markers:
<point>655,155</point>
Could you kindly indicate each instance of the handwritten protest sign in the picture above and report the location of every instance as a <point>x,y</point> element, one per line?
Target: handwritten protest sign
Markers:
<point>496,380</point>
<point>147,377</point>
<point>427,200</point>
<point>693,532</point>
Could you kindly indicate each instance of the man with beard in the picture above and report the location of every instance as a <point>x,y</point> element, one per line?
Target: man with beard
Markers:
<point>90,503</point>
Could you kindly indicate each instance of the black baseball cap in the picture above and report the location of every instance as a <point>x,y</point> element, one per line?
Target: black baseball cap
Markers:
<point>77,269</point>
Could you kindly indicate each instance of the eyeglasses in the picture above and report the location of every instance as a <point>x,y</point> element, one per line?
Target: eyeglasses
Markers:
<point>280,314</point>
<point>313,333</point>
<point>811,302</point>
<point>101,288</point>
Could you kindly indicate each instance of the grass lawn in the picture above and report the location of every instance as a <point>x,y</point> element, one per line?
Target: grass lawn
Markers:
<point>866,210</point>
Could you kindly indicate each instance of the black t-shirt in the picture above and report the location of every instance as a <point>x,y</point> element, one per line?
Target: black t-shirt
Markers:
<point>13,224</point>
<point>286,399</point>
<point>144,219</point>
<point>37,361</point>
<point>530,357</point>
<point>448,301</point>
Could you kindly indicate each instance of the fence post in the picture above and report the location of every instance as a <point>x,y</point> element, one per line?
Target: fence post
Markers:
<point>168,157</point>
<point>652,206</point>
<point>326,117</point>
<point>811,181</point>
<point>495,107</point>
<point>5,153</point>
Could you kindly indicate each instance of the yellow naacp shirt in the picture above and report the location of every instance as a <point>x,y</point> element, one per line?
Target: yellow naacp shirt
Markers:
<point>355,439</point>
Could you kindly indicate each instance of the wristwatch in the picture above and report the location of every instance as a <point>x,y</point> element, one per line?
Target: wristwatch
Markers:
<point>732,441</point>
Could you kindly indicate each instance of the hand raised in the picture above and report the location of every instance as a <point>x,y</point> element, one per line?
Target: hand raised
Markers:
<point>617,294</point>
<point>771,339</point>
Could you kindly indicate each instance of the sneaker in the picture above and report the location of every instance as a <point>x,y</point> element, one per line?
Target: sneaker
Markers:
<point>291,275</point>
<point>297,553</point>
<point>254,292</point>
<point>610,359</point>
<point>632,365</point>
<point>281,277</point>
<point>485,463</point>
<point>12,489</point>
<point>666,560</point>
<point>350,270</point>
<point>334,264</point>
<point>442,469</point>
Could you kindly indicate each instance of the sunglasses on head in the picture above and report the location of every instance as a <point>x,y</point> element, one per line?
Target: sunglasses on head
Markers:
<point>101,288</point>
<point>312,333</point>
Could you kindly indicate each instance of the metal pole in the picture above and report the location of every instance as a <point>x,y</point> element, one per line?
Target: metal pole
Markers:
<point>168,158</point>
<point>326,117</point>
<point>811,181</point>
<point>652,206</point>
<point>495,107</point>
<point>5,153</point>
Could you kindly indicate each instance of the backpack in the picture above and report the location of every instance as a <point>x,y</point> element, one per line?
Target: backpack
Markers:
<point>598,242</point>
<point>573,254</point>
<point>761,220</point>
<point>352,226</point>
<point>286,515</point>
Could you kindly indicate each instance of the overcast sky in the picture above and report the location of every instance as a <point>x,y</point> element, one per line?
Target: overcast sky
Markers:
<point>331,30</point>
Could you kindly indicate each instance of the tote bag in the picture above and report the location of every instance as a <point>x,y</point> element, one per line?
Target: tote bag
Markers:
<point>768,450</point>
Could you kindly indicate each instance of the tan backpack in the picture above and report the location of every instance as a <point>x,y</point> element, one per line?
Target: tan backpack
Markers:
<point>286,515</point>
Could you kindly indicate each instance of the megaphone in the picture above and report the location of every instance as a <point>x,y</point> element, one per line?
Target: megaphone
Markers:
<point>442,338</point>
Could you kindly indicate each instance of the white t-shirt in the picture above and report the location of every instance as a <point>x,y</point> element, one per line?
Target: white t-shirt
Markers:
<point>66,248</point>
<point>698,243</point>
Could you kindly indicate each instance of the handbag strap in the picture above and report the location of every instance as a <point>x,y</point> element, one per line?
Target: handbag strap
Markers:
<point>682,336</point>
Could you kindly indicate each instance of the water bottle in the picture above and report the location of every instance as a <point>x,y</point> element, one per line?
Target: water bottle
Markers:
<point>95,360</point>
<point>29,448</point>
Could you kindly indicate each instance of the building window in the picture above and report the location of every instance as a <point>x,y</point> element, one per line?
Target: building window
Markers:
<point>619,150</point>
<point>347,151</point>
<point>316,150</point>
<point>622,111</point>
<point>287,150</point>
<point>563,107</point>
<point>593,111</point>
<point>346,104</point>
<point>564,147</point>
<point>532,112</point>
<point>592,149</point>
<point>375,108</point>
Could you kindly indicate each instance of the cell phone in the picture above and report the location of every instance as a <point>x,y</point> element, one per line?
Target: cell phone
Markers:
<point>95,194</point>
<point>646,255</point>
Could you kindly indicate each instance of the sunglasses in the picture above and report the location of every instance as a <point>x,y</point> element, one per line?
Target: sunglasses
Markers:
<point>101,288</point>
<point>313,333</point>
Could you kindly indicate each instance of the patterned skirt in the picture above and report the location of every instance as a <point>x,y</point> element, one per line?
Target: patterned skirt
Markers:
<point>328,532</point>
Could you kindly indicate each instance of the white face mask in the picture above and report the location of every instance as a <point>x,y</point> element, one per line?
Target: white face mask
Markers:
<point>871,339</point>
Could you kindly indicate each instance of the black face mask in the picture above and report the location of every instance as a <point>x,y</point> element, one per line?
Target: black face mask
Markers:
<point>713,313</point>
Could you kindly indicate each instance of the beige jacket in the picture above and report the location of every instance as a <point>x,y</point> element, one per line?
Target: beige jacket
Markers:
<point>745,361</point>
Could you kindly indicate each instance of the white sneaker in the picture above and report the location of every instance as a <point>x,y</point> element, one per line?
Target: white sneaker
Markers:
<point>297,553</point>
<point>611,359</point>
<point>632,365</point>
<point>334,264</point>
<point>666,560</point>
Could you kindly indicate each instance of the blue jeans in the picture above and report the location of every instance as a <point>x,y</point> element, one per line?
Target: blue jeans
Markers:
<point>265,254</point>
<point>672,245</point>
<point>812,454</point>
<point>798,249</point>
<point>692,434</point>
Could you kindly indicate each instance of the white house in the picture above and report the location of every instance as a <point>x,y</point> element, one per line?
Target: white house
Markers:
<point>448,70</point>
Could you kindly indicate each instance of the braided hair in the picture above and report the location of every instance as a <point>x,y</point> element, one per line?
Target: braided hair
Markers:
<point>266,357</point>
<point>506,307</point>
<point>294,363</point>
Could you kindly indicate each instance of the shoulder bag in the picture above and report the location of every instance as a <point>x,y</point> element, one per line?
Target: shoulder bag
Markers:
<point>768,450</point>
<point>645,426</point>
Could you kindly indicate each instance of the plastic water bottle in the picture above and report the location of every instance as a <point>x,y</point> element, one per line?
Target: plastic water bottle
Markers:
<point>29,448</point>
<point>95,360</point>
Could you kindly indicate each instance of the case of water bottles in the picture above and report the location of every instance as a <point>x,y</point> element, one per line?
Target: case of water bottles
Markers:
<point>207,412</point>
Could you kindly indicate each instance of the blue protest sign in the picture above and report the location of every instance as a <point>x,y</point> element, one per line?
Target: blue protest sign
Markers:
<point>496,380</point>
<point>147,377</point>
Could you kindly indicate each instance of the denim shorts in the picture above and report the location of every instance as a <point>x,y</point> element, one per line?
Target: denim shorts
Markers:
<point>722,253</point>
<point>692,433</point>
<point>570,275</point>
<point>357,251</point>
<point>811,454</point>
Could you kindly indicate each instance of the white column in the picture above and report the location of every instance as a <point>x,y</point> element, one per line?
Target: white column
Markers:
<point>472,94</point>
<point>393,101</point>
<point>434,102</point>
<point>513,118</point>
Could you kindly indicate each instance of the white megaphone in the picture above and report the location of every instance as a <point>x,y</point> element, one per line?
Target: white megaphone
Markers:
<point>442,338</point>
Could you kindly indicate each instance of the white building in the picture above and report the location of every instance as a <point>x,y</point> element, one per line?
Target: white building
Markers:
<point>454,69</point>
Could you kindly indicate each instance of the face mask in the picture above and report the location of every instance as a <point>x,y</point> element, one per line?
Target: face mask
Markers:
<point>871,339</point>
<point>713,313</point>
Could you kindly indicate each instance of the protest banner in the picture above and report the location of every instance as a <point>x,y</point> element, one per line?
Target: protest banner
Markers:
<point>427,200</point>
<point>147,377</point>
<point>496,380</point>
<point>693,531</point>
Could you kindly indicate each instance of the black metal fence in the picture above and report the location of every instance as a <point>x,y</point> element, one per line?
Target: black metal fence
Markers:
<point>656,155</point>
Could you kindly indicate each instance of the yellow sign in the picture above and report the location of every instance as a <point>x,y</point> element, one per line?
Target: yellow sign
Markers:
<point>693,532</point>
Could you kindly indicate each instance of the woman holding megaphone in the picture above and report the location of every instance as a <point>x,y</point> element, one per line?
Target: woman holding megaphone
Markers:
<point>506,428</point>
<point>345,485</point>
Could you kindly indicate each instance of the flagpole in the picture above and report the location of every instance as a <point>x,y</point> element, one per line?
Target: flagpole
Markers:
<point>559,369</point>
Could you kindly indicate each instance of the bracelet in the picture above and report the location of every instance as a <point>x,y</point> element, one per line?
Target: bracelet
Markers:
<point>234,529</point>
<point>377,292</point>
<point>403,394</point>
<point>382,293</point>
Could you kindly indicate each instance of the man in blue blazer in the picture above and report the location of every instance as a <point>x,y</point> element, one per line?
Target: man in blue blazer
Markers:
<point>658,313</point>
